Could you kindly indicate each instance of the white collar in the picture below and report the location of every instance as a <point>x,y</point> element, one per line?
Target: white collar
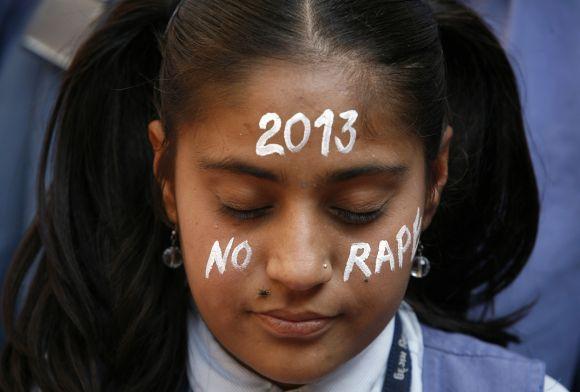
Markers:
<point>211,368</point>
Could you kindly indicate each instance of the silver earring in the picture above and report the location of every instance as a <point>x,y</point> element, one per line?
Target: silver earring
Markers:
<point>172,255</point>
<point>421,264</point>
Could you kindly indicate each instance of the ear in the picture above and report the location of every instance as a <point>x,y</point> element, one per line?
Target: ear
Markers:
<point>156,135</point>
<point>441,173</point>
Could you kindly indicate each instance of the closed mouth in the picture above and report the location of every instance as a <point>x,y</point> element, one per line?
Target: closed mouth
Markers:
<point>295,325</point>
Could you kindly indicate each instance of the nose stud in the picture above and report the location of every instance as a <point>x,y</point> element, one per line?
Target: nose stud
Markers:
<point>325,266</point>
<point>263,292</point>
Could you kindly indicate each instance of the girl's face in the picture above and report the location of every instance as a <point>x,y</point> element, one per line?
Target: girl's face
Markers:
<point>298,212</point>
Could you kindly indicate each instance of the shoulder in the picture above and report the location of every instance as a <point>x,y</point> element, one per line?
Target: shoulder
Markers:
<point>458,344</point>
<point>444,361</point>
<point>463,361</point>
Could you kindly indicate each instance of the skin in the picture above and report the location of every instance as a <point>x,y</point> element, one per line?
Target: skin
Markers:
<point>300,230</point>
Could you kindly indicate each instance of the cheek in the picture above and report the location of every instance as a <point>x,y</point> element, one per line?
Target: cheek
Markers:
<point>218,290</point>
<point>381,279</point>
<point>198,230</point>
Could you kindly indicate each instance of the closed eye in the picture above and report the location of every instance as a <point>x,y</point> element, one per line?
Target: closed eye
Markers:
<point>245,214</point>
<point>347,216</point>
<point>356,218</point>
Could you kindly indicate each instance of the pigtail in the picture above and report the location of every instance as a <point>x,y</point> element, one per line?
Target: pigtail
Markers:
<point>102,312</point>
<point>487,222</point>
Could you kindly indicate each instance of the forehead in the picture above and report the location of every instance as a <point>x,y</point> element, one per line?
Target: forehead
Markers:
<point>284,87</point>
<point>229,127</point>
<point>288,87</point>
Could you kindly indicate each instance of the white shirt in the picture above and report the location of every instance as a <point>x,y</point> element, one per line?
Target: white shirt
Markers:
<point>211,368</point>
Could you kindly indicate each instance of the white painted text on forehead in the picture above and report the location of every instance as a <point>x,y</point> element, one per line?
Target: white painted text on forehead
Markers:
<point>326,121</point>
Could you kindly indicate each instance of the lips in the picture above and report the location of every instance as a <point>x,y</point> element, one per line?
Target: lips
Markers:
<point>291,324</point>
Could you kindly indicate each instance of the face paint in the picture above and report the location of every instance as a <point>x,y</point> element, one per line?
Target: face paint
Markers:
<point>359,260</point>
<point>404,240</point>
<point>298,117</point>
<point>263,149</point>
<point>245,246</point>
<point>417,230</point>
<point>383,256</point>
<point>326,120</point>
<point>219,258</point>
<point>403,246</point>
<point>351,117</point>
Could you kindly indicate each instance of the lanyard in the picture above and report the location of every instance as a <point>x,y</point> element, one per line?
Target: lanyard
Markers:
<point>398,374</point>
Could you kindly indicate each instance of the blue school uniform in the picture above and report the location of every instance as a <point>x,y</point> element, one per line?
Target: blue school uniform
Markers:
<point>405,356</point>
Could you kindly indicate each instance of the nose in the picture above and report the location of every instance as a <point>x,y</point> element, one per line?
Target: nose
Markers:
<point>300,258</point>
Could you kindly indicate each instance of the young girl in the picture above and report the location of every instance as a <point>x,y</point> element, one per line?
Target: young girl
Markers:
<point>277,195</point>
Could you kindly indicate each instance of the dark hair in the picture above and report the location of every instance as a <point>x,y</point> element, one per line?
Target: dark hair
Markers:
<point>103,313</point>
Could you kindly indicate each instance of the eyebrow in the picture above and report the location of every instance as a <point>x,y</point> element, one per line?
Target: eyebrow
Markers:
<point>239,167</point>
<point>366,170</point>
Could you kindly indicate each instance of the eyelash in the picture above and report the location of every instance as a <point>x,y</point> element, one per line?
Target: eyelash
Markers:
<point>357,218</point>
<point>245,214</point>
<point>349,217</point>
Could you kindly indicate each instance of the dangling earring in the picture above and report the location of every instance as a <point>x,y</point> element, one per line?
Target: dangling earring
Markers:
<point>421,264</point>
<point>172,255</point>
